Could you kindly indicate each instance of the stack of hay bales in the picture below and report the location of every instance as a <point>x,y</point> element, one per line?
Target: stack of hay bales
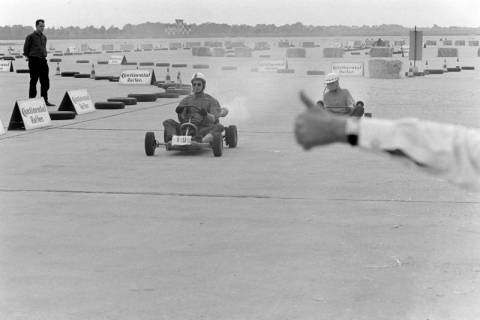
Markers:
<point>398,43</point>
<point>242,52</point>
<point>174,45</point>
<point>473,43</point>
<point>333,52</point>
<point>218,52</point>
<point>201,51</point>
<point>262,45</point>
<point>296,53</point>
<point>431,43</point>
<point>384,69</point>
<point>447,52</point>
<point>308,44</point>
<point>447,42</point>
<point>283,44</point>
<point>193,44</point>
<point>460,43</point>
<point>213,44</point>
<point>381,52</point>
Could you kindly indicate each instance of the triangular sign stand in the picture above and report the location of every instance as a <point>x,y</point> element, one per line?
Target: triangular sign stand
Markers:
<point>154,80</point>
<point>11,66</point>
<point>66,104</point>
<point>16,120</point>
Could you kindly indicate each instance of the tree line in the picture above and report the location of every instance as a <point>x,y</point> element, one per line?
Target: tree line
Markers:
<point>209,29</point>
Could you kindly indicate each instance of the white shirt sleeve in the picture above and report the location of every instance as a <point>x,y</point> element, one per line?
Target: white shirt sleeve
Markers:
<point>448,151</point>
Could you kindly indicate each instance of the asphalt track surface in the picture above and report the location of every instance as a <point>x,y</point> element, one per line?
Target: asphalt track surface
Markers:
<point>91,228</point>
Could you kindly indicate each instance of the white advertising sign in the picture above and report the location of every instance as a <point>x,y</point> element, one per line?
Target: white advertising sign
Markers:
<point>81,100</point>
<point>137,77</point>
<point>2,128</point>
<point>5,66</point>
<point>271,65</point>
<point>117,60</point>
<point>348,68</point>
<point>32,112</point>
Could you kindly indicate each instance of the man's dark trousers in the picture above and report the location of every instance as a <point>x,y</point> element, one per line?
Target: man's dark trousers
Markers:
<point>38,70</point>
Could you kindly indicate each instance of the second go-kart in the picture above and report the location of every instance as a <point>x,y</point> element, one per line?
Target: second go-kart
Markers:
<point>189,138</point>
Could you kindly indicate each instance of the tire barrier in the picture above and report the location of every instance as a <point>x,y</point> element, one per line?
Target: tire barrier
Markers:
<point>167,95</point>
<point>384,69</point>
<point>455,69</point>
<point>308,44</point>
<point>102,62</point>
<point>381,52</point>
<point>146,64</point>
<point>18,57</point>
<point>131,64</point>
<point>55,60</point>
<point>434,71</point>
<point>103,77</point>
<point>22,71</point>
<point>143,97</point>
<point>355,53</point>
<point>179,65</point>
<point>286,71</point>
<point>296,53</point>
<point>82,75</point>
<point>200,66</point>
<point>468,68</point>
<point>201,51</point>
<point>58,54</point>
<point>163,64</point>
<point>128,101</point>
<point>229,68</point>
<point>447,52</point>
<point>69,73</point>
<point>114,79</point>
<point>315,73</point>
<point>9,58</point>
<point>83,61</point>
<point>110,105</point>
<point>62,115</point>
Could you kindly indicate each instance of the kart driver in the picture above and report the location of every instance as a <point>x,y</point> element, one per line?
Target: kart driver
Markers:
<point>204,114</point>
<point>338,100</point>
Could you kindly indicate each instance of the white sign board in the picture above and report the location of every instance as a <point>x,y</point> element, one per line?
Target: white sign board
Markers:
<point>2,128</point>
<point>6,66</point>
<point>348,68</point>
<point>271,65</point>
<point>117,60</point>
<point>30,114</point>
<point>78,101</point>
<point>137,77</point>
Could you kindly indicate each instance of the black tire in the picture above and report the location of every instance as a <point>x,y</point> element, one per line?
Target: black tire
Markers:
<point>468,68</point>
<point>167,95</point>
<point>201,66</point>
<point>62,115</point>
<point>144,97</point>
<point>55,60</point>
<point>82,75</point>
<point>150,143</point>
<point>83,61</point>
<point>131,64</point>
<point>217,145</point>
<point>128,101</point>
<point>286,71</point>
<point>231,136</point>
<point>146,64</point>
<point>315,73</point>
<point>103,77</point>
<point>69,73</point>
<point>110,105</point>
<point>162,64</point>
<point>114,79</point>
<point>102,62</point>
<point>179,65</point>
<point>229,68</point>
<point>22,71</point>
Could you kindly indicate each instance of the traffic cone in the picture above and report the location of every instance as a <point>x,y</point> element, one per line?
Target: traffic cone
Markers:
<point>410,71</point>
<point>458,64</point>
<point>92,73</point>
<point>179,78</point>
<point>167,77</point>
<point>426,67</point>
<point>445,69</point>
<point>58,73</point>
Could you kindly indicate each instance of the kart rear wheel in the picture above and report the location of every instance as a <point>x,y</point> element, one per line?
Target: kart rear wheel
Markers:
<point>217,145</point>
<point>231,136</point>
<point>150,143</point>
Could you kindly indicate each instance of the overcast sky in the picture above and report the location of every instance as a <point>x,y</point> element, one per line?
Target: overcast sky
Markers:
<point>423,13</point>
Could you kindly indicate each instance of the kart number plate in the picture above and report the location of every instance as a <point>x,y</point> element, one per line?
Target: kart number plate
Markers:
<point>181,140</point>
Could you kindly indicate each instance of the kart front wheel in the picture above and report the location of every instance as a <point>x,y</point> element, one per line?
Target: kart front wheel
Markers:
<point>231,136</point>
<point>217,145</point>
<point>150,143</point>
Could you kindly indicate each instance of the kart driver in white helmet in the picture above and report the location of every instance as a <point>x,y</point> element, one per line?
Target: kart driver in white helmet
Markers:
<point>338,100</point>
<point>205,114</point>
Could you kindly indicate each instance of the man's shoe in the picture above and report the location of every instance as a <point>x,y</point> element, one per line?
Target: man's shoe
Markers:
<point>49,104</point>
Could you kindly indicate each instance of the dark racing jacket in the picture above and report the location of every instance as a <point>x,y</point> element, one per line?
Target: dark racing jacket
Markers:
<point>203,101</point>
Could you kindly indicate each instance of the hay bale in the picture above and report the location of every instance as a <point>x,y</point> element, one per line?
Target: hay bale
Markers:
<point>218,52</point>
<point>478,52</point>
<point>283,44</point>
<point>431,43</point>
<point>243,52</point>
<point>262,45</point>
<point>460,43</point>
<point>213,44</point>
<point>398,43</point>
<point>447,42</point>
<point>308,44</point>
<point>201,51</point>
<point>447,52</point>
<point>473,43</point>
<point>174,45</point>
<point>296,53</point>
<point>193,44</point>
<point>384,69</point>
<point>333,52</point>
<point>381,52</point>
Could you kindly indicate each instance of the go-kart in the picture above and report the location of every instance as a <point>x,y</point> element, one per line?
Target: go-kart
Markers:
<point>357,104</point>
<point>189,138</point>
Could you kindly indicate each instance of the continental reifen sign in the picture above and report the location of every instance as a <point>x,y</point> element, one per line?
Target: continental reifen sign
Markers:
<point>348,68</point>
<point>30,114</point>
<point>81,101</point>
<point>137,77</point>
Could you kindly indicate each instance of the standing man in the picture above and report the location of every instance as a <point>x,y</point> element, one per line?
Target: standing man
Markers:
<point>338,100</point>
<point>35,50</point>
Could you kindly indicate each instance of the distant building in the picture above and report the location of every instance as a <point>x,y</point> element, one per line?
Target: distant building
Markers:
<point>180,29</point>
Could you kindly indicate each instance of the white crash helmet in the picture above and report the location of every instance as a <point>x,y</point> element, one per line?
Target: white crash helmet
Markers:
<point>331,78</point>
<point>199,76</point>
